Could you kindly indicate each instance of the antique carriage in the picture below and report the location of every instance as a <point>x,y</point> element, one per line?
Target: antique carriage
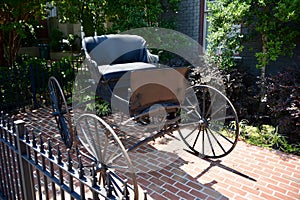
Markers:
<point>126,75</point>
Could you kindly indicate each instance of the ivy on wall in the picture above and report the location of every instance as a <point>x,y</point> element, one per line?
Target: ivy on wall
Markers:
<point>275,21</point>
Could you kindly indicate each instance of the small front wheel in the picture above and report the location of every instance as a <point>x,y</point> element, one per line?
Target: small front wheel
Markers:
<point>61,111</point>
<point>110,156</point>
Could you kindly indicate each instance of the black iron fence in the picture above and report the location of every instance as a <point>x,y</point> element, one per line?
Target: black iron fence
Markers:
<point>24,85</point>
<point>34,167</point>
<point>30,167</point>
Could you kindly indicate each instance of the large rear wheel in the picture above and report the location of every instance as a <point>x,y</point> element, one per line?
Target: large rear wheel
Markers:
<point>209,123</point>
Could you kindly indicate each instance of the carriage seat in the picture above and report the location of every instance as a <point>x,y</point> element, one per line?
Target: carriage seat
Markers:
<point>111,56</point>
<point>114,72</point>
<point>112,53</point>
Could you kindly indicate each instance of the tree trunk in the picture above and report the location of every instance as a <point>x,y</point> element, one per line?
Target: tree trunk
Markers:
<point>16,43</point>
<point>3,61</point>
<point>11,46</point>
<point>262,105</point>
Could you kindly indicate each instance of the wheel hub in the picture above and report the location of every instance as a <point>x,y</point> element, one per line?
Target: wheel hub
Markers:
<point>203,124</point>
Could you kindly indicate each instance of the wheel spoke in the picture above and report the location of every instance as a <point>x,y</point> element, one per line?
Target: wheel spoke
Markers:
<point>191,132</point>
<point>203,142</point>
<point>85,142</point>
<point>115,157</point>
<point>216,111</point>
<point>192,115</point>
<point>105,148</point>
<point>117,167</point>
<point>114,153</point>
<point>203,102</point>
<point>223,136</point>
<point>210,106</point>
<point>99,152</point>
<point>220,126</point>
<point>224,118</point>
<point>211,146</point>
<point>217,140</point>
<point>89,136</point>
<point>196,138</point>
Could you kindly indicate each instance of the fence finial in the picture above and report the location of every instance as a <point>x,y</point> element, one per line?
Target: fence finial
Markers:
<point>50,149</point>
<point>80,167</point>
<point>125,190</point>
<point>42,148</point>
<point>145,194</point>
<point>33,140</point>
<point>59,156</point>
<point>94,175</point>
<point>69,159</point>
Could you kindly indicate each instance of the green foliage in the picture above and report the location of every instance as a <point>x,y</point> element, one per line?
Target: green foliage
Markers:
<point>16,18</point>
<point>282,102</point>
<point>266,136</point>
<point>56,39</point>
<point>24,85</point>
<point>125,15</point>
<point>19,19</point>
<point>276,21</point>
<point>101,107</point>
<point>116,16</point>
<point>224,39</point>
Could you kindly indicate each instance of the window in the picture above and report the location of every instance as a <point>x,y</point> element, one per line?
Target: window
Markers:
<point>51,10</point>
<point>204,25</point>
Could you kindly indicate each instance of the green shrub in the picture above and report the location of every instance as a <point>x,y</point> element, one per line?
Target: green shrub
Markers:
<point>25,85</point>
<point>267,136</point>
<point>56,40</point>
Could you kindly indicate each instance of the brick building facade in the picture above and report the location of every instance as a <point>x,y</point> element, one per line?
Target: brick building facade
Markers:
<point>188,20</point>
<point>191,20</point>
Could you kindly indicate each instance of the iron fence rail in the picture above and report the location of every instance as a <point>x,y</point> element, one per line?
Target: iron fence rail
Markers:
<point>33,167</point>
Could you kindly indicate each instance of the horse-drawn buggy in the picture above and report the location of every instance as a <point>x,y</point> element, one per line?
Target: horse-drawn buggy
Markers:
<point>144,95</point>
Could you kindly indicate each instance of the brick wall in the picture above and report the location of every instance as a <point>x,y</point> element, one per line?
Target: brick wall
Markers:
<point>187,18</point>
<point>188,22</point>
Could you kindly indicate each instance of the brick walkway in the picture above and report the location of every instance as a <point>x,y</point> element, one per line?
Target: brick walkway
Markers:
<point>168,172</point>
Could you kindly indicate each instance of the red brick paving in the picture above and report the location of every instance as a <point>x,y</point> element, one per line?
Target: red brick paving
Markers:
<point>168,172</point>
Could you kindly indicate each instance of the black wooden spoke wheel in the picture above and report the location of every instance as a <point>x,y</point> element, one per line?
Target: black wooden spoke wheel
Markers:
<point>61,111</point>
<point>209,123</point>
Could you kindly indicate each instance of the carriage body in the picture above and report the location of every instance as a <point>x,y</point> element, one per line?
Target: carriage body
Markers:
<point>126,71</point>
